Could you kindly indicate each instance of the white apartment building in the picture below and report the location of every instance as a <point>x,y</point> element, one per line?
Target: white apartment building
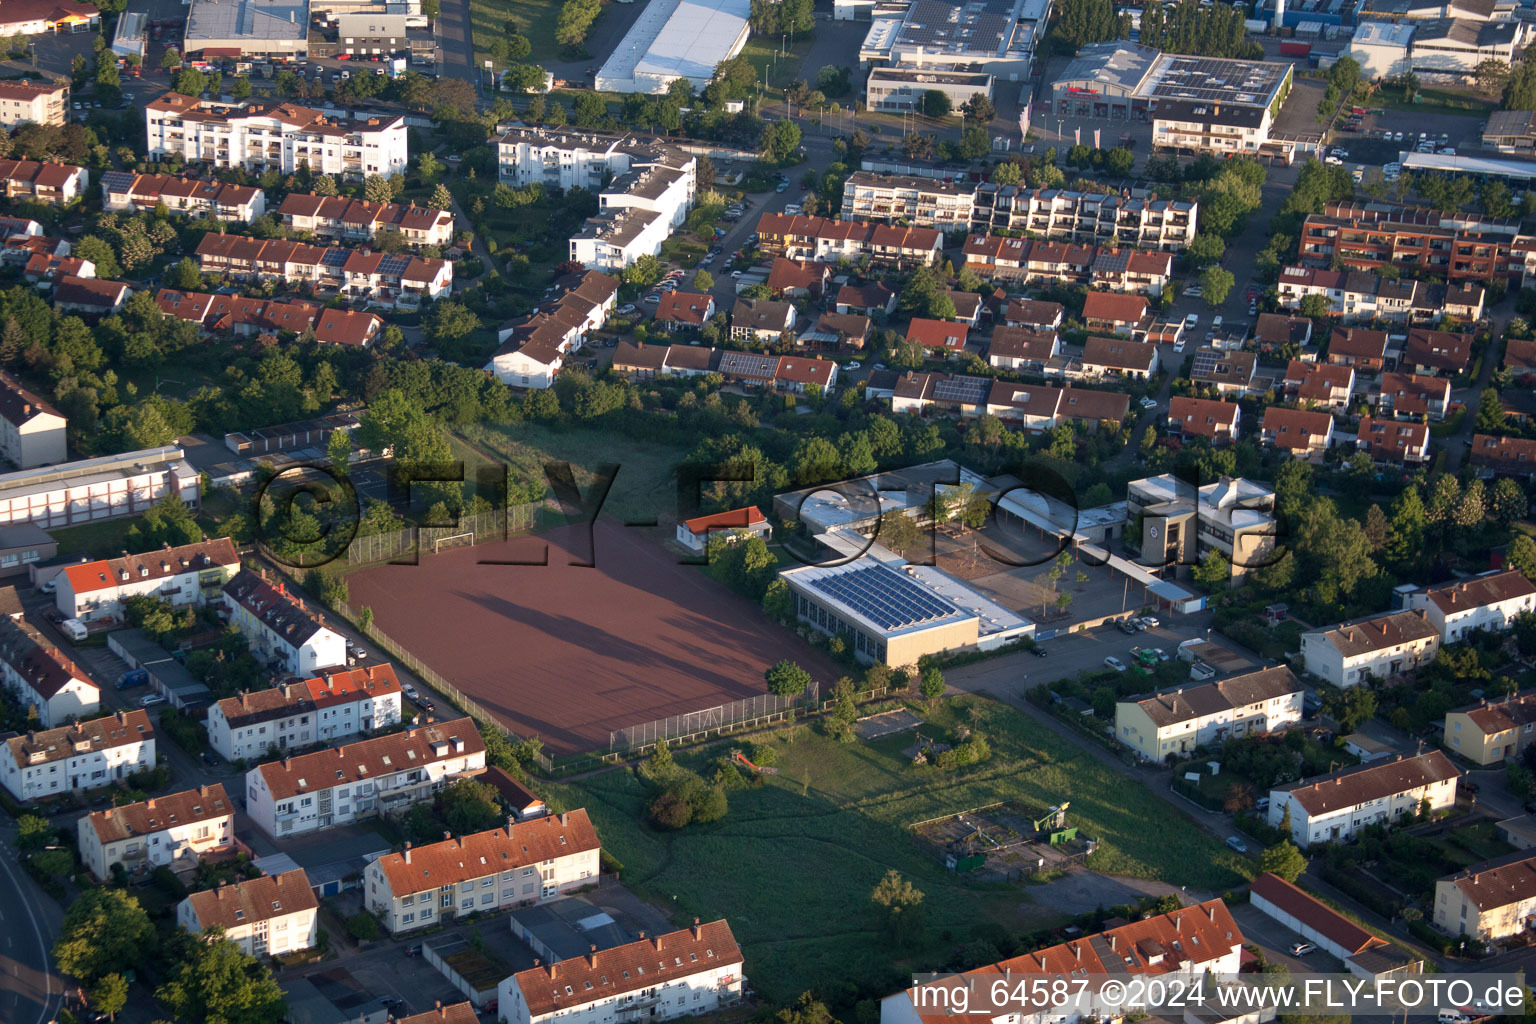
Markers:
<point>31,430</point>
<point>686,973</point>
<point>185,575</point>
<point>1180,523</point>
<point>1334,807</point>
<point>1490,901</point>
<point>571,158</point>
<point>1177,722</point>
<point>89,490</point>
<point>33,102</point>
<point>1382,646</point>
<point>271,915</point>
<point>77,757</point>
<point>383,775</point>
<point>280,627</point>
<point>1462,607</point>
<point>175,831</point>
<point>42,677</point>
<point>334,704</point>
<point>1181,947</point>
<point>260,136</point>
<point>525,862</point>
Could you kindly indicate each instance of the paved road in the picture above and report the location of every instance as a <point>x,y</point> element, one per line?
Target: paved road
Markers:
<point>29,920</point>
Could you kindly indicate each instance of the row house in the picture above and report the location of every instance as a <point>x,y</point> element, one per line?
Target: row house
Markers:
<point>270,915</point>
<point>381,775</point>
<point>1504,456</point>
<point>1300,433</point>
<point>89,296</point>
<point>1520,360</point>
<point>49,183</point>
<point>1173,723</point>
<point>1379,646</point>
<point>243,258</point>
<point>1449,245</point>
<point>765,321</point>
<point>533,348</point>
<point>187,574</point>
<point>196,198</point>
<point>794,279</point>
<point>1393,442</point>
<point>1359,296</point>
<point>1182,947</point>
<point>692,972</point>
<point>42,678</point>
<point>1489,733</point>
<point>280,628</point>
<point>247,317</point>
<point>1492,900</point>
<point>1410,396</point>
<point>1320,385</point>
<point>1030,407</point>
<point>1105,217</point>
<point>292,716</point>
<point>78,757</point>
<point>1211,419</point>
<point>1276,333</point>
<point>32,431</point>
<point>1338,806</point>
<point>827,240</point>
<point>1488,602</point>
<point>50,268</point>
<point>1437,353</point>
<point>1119,357</point>
<point>1020,348</point>
<point>399,280</point>
<point>175,831</point>
<point>260,135</point>
<point>358,220</point>
<point>523,863</point>
<point>1131,270</point>
<point>782,373</point>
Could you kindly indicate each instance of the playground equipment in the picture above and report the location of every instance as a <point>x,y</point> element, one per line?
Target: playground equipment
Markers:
<point>741,758</point>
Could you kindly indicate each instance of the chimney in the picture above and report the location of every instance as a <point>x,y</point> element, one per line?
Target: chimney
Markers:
<point>592,956</point>
<point>407,853</point>
<point>697,931</point>
<point>552,969</point>
<point>107,814</point>
<point>564,815</point>
<point>220,891</point>
<point>150,803</point>
<point>656,941</point>
<point>1210,911</point>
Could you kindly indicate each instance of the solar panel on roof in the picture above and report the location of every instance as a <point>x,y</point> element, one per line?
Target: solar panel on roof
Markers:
<point>333,257</point>
<point>117,181</point>
<point>394,265</point>
<point>1205,362</point>
<point>885,597</point>
<point>962,389</point>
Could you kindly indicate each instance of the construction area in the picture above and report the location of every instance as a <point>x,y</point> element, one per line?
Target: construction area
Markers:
<point>1004,842</point>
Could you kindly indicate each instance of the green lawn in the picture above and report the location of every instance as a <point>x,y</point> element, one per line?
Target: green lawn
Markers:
<point>646,484</point>
<point>761,52</point>
<point>99,540</point>
<point>1443,101</point>
<point>535,19</point>
<point>793,863</point>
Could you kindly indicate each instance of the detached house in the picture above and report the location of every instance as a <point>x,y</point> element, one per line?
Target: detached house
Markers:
<point>1034,314</point>
<point>687,973</point>
<point>1176,722</point>
<point>792,279</point>
<point>174,831</point>
<point>271,915</point>
<point>1509,456</point>
<point>1382,646</point>
<point>525,862</point>
<point>1393,441</point>
<point>1410,396</point>
<point>86,755</point>
<point>188,574</point>
<point>865,299</point>
<point>679,310</point>
<point>1117,357</point>
<point>42,678</point>
<point>1320,385</point>
<point>1302,433</point>
<point>382,775</point>
<point>280,627</point>
<point>1213,420</point>
<point>1462,607</point>
<point>90,295</point>
<point>1490,732</point>
<point>1360,347</point>
<point>761,320</point>
<point>1020,348</point>
<point>1335,807</point>
<point>1111,311</point>
<point>1437,353</point>
<point>1490,901</point>
<point>946,336</point>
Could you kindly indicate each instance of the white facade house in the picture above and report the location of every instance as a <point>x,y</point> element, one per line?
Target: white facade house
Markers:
<point>1492,900</point>
<point>737,524</point>
<point>86,755</point>
<point>1179,721</point>
<point>283,137</point>
<point>1379,646</point>
<point>534,347</point>
<point>383,775</point>
<point>31,430</point>
<point>1183,946</point>
<point>271,915</point>
<point>686,973</point>
<point>42,678</point>
<point>176,831</point>
<point>183,575</point>
<point>1334,807</point>
<point>526,862</point>
<point>335,704</point>
<point>1462,607</point>
<point>281,628</point>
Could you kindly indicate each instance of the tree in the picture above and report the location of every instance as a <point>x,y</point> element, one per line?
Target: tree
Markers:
<point>1205,249</point>
<point>105,931</point>
<point>470,806</point>
<point>936,104</point>
<point>324,185</point>
<point>703,280</point>
<point>780,139</point>
<point>1217,282</point>
<point>1491,75</point>
<point>450,321</point>
<point>787,679</point>
<point>899,905</point>
<point>978,110</point>
<point>1508,502</point>
<point>933,685</point>
<point>1315,306</point>
<point>109,995</point>
<point>1284,860</point>
<point>806,1010</point>
<point>1213,572</point>
<point>1490,412</point>
<point>217,983</point>
<point>100,253</point>
<point>441,198</point>
<point>376,189</point>
<point>33,832</point>
<point>575,21</point>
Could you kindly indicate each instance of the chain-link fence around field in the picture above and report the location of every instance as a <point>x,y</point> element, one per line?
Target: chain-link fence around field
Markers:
<point>747,713</point>
<point>485,527</point>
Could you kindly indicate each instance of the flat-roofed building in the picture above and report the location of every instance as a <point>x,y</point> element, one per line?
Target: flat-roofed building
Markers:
<point>1380,646</point>
<point>261,136</point>
<point>105,487</point>
<point>175,830</point>
<point>248,29</point>
<point>1173,723</point>
<point>1335,807</point>
<point>903,88</point>
<point>675,40</point>
<point>525,862</point>
<point>1180,523</point>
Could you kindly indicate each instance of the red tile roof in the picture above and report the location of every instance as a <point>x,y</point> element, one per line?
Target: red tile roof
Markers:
<point>1314,913</point>
<point>1200,417</point>
<point>206,803</point>
<point>516,844</point>
<point>736,518</point>
<point>380,756</point>
<point>1376,780</point>
<point>684,308</point>
<point>255,899</point>
<point>90,577</point>
<point>1114,307</point>
<point>945,334</point>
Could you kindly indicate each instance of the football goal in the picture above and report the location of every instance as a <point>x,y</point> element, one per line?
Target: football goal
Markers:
<point>454,540</point>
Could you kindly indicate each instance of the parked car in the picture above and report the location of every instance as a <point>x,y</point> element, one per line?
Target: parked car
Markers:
<point>1234,843</point>
<point>628,307</point>
<point>1037,651</point>
<point>1115,663</point>
<point>1194,291</point>
<point>1302,948</point>
<point>1151,620</point>
<point>1147,403</point>
<point>151,700</point>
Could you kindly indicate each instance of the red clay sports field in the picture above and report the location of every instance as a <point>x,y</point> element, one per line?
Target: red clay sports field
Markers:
<point>570,653</point>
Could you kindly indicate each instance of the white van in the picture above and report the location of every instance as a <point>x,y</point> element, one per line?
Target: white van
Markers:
<point>74,629</point>
<point>1454,1017</point>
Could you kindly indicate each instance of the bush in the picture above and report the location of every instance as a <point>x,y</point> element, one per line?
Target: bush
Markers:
<point>671,811</point>
<point>363,927</point>
<point>765,754</point>
<point>1427,935</point>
